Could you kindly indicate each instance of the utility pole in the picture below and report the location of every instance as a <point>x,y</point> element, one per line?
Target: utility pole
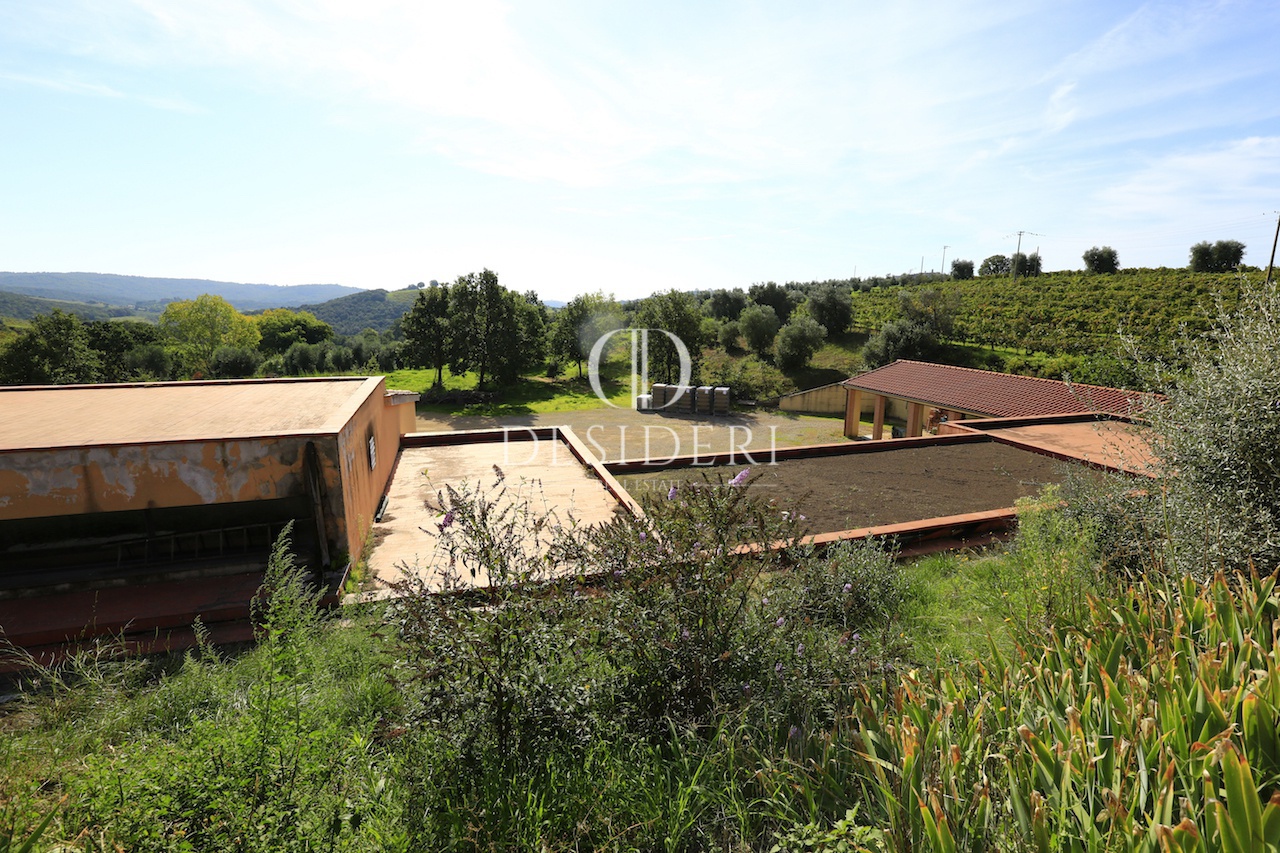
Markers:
<point>1013,262</point>
<point>1271,263</point>
<point>920,277</point>
<point>944,260</point>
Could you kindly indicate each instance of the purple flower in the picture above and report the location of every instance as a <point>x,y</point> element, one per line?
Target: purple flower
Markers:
<point>446,522</point>
<point>741,478</point>
<point>803,516</point>
<point>671,495</point>
<point>782,620</point>
<point>765,601</point>
<point>800,650</point>
<point>617,573</point>
<point>643,536</point>
<point>746,689</point>
<point>794,733</point>
<point>684,633</point>
<point>778,669</point>
<point>848,588</point>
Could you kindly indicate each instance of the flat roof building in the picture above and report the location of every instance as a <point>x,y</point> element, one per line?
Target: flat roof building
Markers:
<point>104,485</point>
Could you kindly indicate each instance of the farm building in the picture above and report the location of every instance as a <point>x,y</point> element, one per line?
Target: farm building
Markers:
<point>933,393</point>
<point>180,489</point>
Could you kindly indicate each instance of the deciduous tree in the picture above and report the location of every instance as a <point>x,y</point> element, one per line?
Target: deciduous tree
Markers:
<point>961,270</point>
<point>426,331</point>
<point>578,325</point>
<point>281,328</point>
<point>678,314</point>
<point>54,351</point>
<point>196,328</point>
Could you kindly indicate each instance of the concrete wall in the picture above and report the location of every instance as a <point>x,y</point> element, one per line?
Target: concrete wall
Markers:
<point>379,419</point>
<point>826,399</point>
<point>72,481</point>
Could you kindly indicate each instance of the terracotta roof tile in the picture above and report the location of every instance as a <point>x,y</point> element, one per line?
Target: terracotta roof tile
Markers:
<point>1002,395</point>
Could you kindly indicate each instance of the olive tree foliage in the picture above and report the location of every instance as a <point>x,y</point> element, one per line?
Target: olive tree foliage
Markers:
<point>1101,259</point>
<point>198,328</point>
<point>759,325</point>
<point>578,325</point>
<point>832,308</point>
<point>995,265</point>
<point>1222,256</point>
<point>725,304</point>
<point>777,297</point>
<point>425,326</point>
<point>899,339</point>
<point>798,341</point>
<point>931,308</point>
<point>1025,265</point>
<point>1216,439</point>
<point>54,351</point>
<point>961,270</point>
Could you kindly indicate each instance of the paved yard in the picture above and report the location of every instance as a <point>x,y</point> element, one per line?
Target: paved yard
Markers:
<point>543,473</point>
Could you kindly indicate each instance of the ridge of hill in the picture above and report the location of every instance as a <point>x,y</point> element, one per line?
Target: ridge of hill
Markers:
<point>150,294</point>
<point>367,309</point>
<point>17,306</point>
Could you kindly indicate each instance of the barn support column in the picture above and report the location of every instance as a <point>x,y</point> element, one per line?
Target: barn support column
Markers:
<point>915,420</point>
<point>877,425</point>
<point>852,412</point>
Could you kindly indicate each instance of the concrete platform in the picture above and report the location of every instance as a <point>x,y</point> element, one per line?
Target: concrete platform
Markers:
<point>1115,444</point>
<point>545,472</point>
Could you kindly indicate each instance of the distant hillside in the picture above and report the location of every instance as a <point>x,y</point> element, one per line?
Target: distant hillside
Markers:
<point>20,307</point>
<point>150,294</point>
<point>367,309</point>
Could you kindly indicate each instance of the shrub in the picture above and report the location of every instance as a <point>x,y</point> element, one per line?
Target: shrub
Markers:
<point>1216,439</point>
<point>235,362</point>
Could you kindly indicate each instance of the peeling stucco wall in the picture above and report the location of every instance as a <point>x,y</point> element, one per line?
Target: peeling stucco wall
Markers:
<point>129,477</point>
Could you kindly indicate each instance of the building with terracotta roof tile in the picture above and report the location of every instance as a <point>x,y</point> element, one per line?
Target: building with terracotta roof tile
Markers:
<point>942,392</point>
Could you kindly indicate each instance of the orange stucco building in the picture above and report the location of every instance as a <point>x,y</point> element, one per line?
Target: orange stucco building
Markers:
<point>152,475</point>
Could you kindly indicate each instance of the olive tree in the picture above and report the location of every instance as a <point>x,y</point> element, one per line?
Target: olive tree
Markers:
<point>1101,259</point>
<point>798,341</point>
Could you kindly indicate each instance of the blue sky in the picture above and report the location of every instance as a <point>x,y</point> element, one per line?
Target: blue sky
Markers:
<point>574,146</point>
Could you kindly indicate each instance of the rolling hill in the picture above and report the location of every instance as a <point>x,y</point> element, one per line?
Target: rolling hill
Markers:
<point>150,294</point>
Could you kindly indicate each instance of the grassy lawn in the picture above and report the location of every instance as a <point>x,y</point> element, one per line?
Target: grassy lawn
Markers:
<point>530,395</point>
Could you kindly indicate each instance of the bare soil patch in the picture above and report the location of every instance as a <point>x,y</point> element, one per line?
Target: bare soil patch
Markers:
<point>885,487</point>
<point>615,434</point>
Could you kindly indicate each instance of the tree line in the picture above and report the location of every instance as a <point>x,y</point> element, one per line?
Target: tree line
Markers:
<point>198,338</point>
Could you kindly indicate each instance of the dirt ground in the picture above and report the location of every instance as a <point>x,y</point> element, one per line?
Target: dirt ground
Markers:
<point>867,489</point>
<point>615,434</point>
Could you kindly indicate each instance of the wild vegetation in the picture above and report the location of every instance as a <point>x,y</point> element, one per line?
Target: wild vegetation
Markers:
<point>1108,681</point>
